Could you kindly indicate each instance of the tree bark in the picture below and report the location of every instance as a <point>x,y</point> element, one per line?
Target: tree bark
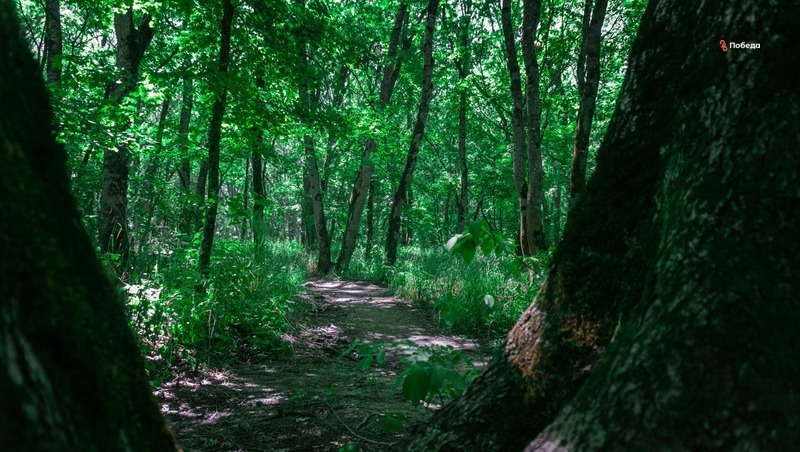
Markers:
<point>313,186</point>
<point>52,45</point>
<point>214,138</point>
<point>588,82</point>
<point>677,259</point>
<point>362,184</point>
<point>399,198</point>
<point>370,218</point>
<point>531,12</point>
<point>67,356</point>
<point>188,220</point>
<point>113,227</point>
<point>200,194</point>
<point>259,198</point>
<point>464,68</point>
<point>518,125</point>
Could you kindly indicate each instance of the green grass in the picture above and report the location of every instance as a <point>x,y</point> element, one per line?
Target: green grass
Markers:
<point>239,312</point>
<point>456,292</point>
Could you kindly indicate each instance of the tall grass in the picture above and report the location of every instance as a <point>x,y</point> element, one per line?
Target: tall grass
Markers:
<point>456,292</point>
<point>241,310</point>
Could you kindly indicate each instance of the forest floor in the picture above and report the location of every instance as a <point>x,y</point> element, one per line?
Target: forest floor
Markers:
<point>314,398</point>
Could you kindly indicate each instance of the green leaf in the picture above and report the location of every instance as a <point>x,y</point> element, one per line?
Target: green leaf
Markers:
<point>515,265</point>
<point>468,251</point>
<point>391,424</point>
<point>416,384</point>
<point>365,362</point>
<point>487,245</point>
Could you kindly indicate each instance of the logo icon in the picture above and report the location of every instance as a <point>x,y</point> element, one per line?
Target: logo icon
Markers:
<point>723,45</point>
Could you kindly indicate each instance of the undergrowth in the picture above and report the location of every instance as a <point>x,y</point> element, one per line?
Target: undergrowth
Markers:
<point>483,298</point>
<point>239,312</point>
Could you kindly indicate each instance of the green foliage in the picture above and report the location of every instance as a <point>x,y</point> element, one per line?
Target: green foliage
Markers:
<point>431,371</point>
<point>239,312</point>
<point>483,298</point>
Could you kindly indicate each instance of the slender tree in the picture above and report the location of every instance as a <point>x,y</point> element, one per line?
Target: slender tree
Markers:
<point>463,65</point>
<point>672,288</point>
<point>214,138</point>
<point>70,370</point>
<point>188,215</point>
<point>53,46</point>
<point>313,182</point>
<point>131,45</point>
<point>531,12</point>
<point>588,83</point>
<point>362,184</point>
<point>518,125</point>
<point>259,197</point>
<point>400,194</point>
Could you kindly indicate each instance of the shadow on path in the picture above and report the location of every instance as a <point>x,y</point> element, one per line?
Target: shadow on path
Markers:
<point>311,400</point>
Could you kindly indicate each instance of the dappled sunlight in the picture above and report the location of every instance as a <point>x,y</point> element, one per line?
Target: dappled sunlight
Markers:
<point>319,388</point>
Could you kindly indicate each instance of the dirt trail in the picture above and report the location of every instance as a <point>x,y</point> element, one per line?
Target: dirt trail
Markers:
<point>310,400</point>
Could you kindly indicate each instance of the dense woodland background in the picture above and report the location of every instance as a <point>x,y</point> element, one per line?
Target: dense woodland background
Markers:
<point>237,147</point>
<point>220,155</point>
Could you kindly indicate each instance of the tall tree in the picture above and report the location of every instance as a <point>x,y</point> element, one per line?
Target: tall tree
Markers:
<point>259,196</point>
<point>362,184</point>
<point>53,46</point>
<point>214,138</point>
<point>518,125</point>
<point>463,64</point>
<point>313,182</point>
<point>113,229</point>
<point>672,288</point>
<point>70,371</point>
<point>400,194</point>
<point>588,83</point>
<point>188,215</point>
<point>531,12</point>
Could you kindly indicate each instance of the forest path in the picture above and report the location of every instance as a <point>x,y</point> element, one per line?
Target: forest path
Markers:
<point>311,400</point>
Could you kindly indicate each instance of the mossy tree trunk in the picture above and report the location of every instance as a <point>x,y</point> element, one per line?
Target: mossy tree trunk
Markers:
<point>70,372</point>
<point>680,259</point>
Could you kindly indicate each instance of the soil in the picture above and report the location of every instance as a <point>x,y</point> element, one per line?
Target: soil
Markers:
<point>315,398</point>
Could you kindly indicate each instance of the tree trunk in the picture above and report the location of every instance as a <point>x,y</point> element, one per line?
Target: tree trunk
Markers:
<point>214,138</point>
<point>518,125</point>
<point>307,232</point>
<point>200,193</point>
<point>113,228</point>
<point>657,257</point>
<point>53,48</point>
<point>185,164</point>
<point>361,186</point>
<point>259,198</point>
<point>464,69</point>
<point>399,198</point>
<point>313,187</point>
<point>370,218</point>
<point>588,82</point>
<point>531,10</point>
<point>70,371</point>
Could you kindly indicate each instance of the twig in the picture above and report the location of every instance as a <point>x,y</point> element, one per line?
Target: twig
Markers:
<point>353,432</point>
